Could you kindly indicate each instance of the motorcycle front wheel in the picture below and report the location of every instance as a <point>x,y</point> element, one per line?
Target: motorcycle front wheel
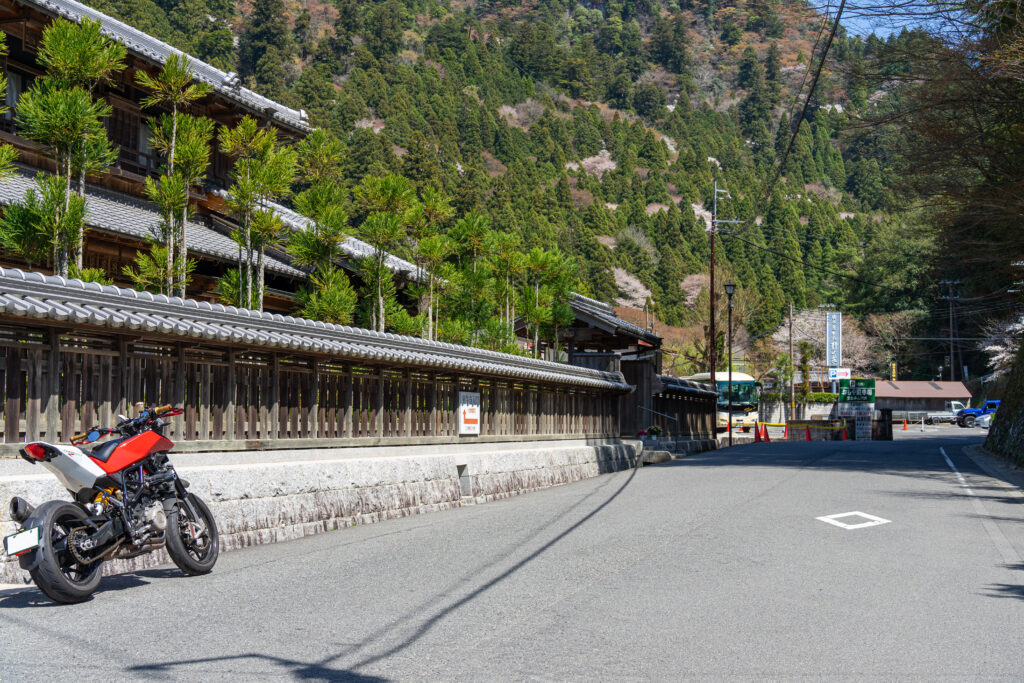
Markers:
<point>192,540</point>
<point>59,575</point>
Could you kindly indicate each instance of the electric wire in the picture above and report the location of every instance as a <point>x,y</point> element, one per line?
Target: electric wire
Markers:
<point>803,113</point>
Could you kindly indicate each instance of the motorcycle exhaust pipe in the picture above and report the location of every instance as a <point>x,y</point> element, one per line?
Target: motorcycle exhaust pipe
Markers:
<point>20,509</point>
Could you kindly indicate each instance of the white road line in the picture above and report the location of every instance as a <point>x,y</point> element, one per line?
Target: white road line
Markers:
<point>873,520</point>
<point>1004,547</point>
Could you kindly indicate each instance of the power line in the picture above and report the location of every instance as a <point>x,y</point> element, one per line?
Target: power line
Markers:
<point>807,103</point>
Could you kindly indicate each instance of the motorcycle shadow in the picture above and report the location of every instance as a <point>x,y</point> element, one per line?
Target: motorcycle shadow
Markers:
<point>30,596</point>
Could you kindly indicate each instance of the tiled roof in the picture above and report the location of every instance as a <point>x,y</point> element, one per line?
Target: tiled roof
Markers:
<point>34,295</point>
<point>123,215</point>
<point>674,385</point>
<point>153,50</point>
<point>355,248</point>
<point>917,389</point>
<point>605,316</point>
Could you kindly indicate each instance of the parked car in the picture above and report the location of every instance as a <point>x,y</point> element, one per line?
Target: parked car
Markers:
<point>968,417</point>
<point>985,421</point>
<point>948,414</point>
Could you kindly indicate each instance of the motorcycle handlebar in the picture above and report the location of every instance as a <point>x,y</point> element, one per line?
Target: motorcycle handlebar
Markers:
<point>162,409</point>
<point>80,437</point>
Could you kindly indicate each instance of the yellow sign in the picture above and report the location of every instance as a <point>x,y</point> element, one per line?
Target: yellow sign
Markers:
<point>892,370</point>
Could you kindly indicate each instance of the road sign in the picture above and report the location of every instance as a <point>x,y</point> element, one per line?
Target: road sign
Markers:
<point>892,371</point>
<point>833,339</point>
<point>839,373</point>
<point>469,412</point>
<point>861,390</point>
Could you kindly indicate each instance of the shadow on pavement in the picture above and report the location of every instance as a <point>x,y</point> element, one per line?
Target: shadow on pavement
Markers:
<point>880,457</point>
<point>299,670</point>
<point>1008,590</point>
<point>434,619</point>
<point>33,597</point>
<point>322,670</point>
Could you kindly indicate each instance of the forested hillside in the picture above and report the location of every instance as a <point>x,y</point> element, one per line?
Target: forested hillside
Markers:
<point>598,130</point>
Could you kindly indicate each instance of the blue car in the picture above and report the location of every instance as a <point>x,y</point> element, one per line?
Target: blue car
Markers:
<point>968,417</point>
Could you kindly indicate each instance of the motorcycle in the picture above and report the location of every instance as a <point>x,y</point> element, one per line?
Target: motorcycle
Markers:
<point>128,501</point>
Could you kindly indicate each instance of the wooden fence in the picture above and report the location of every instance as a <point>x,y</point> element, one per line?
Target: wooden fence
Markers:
<point>678,414</point>
<point>57,381</point>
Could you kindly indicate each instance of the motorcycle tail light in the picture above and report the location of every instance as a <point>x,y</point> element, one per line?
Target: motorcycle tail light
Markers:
<point>36,451</point>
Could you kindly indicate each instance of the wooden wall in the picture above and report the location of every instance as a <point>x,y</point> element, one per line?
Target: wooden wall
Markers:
<point>57,381</point>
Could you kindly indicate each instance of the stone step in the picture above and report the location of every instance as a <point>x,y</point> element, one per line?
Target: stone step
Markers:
<point>655,457</point>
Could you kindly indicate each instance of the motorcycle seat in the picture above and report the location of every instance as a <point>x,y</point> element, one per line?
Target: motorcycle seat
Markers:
<point>103,451</point>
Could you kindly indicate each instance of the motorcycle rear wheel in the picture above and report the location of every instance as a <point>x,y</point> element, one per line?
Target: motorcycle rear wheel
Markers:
<point>59,575</point>
<point>192,544</point>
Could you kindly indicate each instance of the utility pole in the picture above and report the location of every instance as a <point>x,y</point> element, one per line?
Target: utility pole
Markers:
<point>952,358</point>
<point>714,231</point>
<point>792,366</point>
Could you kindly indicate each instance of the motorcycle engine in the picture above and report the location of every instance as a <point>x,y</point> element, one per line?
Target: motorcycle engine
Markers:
<point>154,515</point>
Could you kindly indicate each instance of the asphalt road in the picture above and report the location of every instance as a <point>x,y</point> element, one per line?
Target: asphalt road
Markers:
<point>715,566</point>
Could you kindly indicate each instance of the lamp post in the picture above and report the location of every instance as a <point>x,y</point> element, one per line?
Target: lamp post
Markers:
<point>730,289</point>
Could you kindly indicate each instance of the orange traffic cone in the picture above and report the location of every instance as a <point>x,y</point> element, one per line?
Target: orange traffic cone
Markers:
<point>785,434</point>
<point>808,432</point>
<point>757,433</point>
<point>844,433</point>
<point>766,438</point>
<point>904,424</point>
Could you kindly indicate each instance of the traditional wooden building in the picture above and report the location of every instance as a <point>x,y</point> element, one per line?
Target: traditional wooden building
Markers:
<point>599,339</point>
<point>120,221</point>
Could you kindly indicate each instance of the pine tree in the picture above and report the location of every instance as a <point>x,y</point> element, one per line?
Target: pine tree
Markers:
<point>266,28</point>
<point>175,87</point>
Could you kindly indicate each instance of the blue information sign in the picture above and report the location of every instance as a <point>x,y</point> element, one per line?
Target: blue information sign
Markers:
<point>833,339</point>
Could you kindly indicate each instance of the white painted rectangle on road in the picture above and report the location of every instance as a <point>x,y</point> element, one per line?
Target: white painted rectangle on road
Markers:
<point>872,520</point>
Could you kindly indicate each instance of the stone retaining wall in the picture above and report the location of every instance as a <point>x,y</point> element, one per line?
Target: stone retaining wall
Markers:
<point>269,497</point>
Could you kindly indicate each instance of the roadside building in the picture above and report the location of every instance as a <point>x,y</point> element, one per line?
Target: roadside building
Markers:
<point>599,339</point>
<point>912,396</point>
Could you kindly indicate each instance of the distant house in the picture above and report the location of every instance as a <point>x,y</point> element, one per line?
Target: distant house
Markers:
<point>907,395</point>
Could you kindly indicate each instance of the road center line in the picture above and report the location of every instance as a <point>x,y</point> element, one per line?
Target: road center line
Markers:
<point>1004,547</point>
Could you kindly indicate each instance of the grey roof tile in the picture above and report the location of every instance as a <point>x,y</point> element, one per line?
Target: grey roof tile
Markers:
<point>123,215</point>
<point>355,248</point>
<point>606,313</point>
<point>34,295</point>
<point>685,386</point>
<point>153,50</point>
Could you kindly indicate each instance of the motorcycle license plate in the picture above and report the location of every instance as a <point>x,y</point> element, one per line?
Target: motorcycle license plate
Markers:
<point>22,542</point>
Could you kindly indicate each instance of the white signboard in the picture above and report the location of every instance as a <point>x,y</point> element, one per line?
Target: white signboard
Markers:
<point>833,338</point>
<point>839,373</point>
<point>857,410</point>
<point>863,428</point>
<point>469,412</point>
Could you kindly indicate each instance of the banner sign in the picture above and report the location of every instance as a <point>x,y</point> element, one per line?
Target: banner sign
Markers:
<point>469,412</point>
<point>833,339</point>
<point>861,390</point>
<point>839,373</point>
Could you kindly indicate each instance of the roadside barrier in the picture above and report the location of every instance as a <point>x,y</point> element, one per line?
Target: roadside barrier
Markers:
<point>838,431</point>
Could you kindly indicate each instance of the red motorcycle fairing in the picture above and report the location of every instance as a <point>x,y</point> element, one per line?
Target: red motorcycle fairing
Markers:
<point>134,449</point>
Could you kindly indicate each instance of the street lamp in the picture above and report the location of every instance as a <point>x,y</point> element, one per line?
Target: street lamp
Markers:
<point>730,289</point>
